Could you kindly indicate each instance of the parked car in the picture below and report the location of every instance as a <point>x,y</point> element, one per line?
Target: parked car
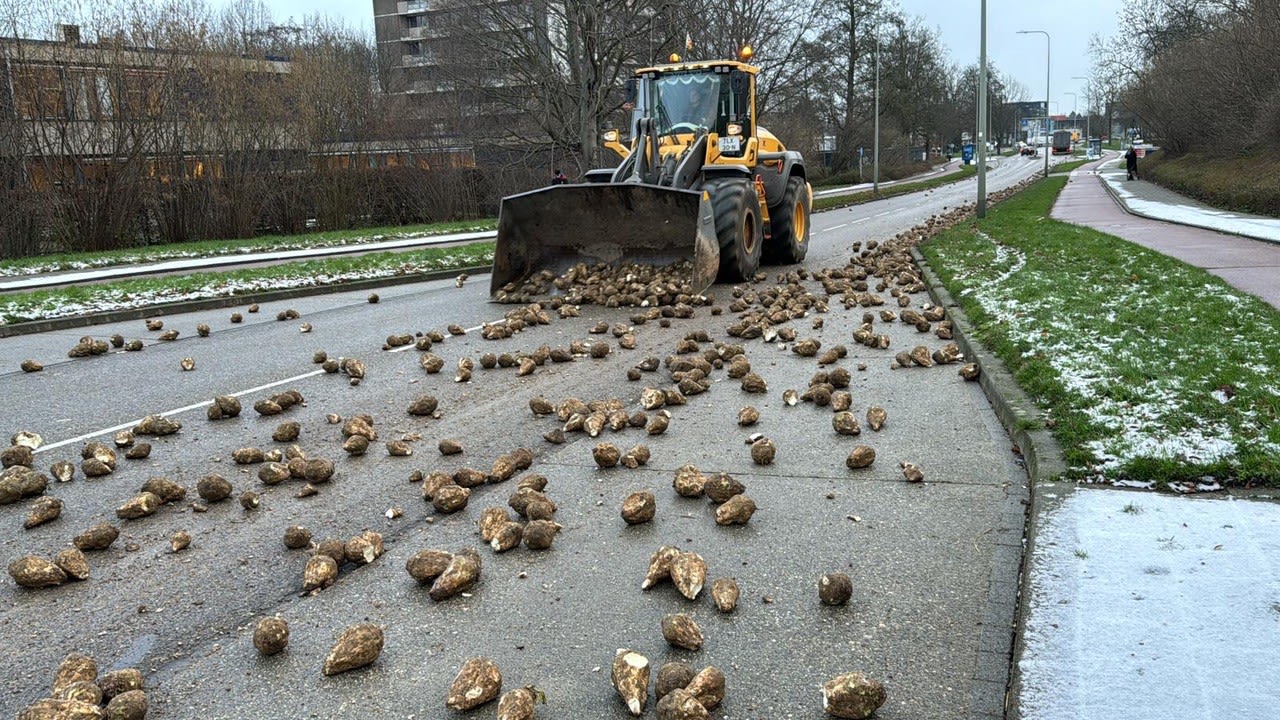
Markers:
<point>1027,150</point>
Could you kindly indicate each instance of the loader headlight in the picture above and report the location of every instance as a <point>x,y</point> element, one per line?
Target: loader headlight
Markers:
<point>610,136</point>
<point>733,129</point>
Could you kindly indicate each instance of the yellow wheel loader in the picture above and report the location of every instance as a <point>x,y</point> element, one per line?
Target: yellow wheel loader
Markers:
<point>702,187</point>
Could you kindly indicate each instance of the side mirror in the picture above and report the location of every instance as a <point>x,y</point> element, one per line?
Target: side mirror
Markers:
<point>740,86</point>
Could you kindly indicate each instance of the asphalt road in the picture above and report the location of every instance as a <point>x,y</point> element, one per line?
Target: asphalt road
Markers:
<point>929,562</point>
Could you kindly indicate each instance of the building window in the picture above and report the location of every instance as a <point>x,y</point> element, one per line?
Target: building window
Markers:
<point>413,48</point>
<point>40,92</point>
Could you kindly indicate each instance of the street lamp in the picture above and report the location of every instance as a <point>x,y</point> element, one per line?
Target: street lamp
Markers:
<point>1088,110</point>
<point>1074,114</point>
<point>652,18</point>
<point>875,152</point>
<point>982,115</point>
<point>1048,43</point>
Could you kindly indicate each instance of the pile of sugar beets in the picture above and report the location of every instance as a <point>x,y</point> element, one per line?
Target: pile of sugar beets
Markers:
<point>81,693</point>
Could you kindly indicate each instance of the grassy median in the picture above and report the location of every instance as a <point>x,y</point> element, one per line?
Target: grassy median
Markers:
<point>1148,370</point>
<point>146,292</point>
<point>886,191</point>
<point>221,248</point>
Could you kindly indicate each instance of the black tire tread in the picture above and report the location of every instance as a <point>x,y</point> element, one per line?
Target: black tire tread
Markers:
<point>783,247</point>
<point>730,198</point>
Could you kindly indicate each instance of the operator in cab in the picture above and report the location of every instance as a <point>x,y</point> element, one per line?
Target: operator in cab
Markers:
<point>701,110</point>
<point>687,104</point>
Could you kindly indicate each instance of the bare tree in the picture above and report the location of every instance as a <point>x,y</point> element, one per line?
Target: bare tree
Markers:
<point>914,80</point>
<point>1197,73</point>
<point>85,114</point>
<point>546,74</point>
<point>844,48</point>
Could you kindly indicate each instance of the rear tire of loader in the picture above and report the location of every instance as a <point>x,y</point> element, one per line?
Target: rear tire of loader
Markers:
<point>738,229</point>
<point>790,221</point>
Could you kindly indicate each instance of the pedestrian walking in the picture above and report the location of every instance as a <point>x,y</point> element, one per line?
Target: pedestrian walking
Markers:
<point>1131,163</point>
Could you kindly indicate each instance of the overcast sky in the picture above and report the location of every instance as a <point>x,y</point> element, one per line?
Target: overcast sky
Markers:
<point>1069,24</point>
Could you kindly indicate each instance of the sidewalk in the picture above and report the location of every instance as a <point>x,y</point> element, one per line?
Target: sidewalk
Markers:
<point>1244,250</point>
<point>1152,201</point>
<point>1148,606</point>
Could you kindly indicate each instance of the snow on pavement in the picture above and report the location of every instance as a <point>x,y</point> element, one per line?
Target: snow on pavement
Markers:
<point>1149,607</point>
<point>1197,215</point>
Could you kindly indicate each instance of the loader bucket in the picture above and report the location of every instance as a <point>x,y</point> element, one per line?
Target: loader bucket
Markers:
<point>560,226</point>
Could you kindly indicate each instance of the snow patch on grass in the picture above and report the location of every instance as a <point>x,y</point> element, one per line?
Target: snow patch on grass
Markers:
<point>106,299</point>
<point>1102,363</point>
<point>161,253</point>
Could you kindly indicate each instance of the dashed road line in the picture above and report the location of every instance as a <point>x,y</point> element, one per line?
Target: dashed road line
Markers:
<point>202,404</point>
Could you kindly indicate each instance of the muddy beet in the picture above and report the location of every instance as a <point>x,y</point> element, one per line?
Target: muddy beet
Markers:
<point>357,646</point>
<point>477,682</point>
<point>271,635</point>
<point>36,572</point>
<point>630,676</point>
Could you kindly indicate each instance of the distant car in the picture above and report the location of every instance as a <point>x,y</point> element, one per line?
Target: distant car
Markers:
<point>1027,150</point>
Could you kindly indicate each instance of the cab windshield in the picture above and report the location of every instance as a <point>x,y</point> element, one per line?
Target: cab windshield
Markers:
<point>687,103</point>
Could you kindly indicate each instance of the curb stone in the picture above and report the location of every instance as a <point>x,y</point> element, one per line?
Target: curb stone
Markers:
<point>1039,449</point>
<point>1004,622</point>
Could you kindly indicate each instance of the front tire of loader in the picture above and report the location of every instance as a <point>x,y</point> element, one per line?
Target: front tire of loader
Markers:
<point>790,221</point>
<point>738,231</point>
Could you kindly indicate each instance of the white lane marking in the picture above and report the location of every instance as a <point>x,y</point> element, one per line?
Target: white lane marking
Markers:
<point>203,403</point>
<point>861,220</point>
<point>886,212</point>
<point>410,346</point>
<point>175,411</point>
<point>835,227</point>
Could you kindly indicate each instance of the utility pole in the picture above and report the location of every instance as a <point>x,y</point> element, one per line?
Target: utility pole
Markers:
<point>982,115</point>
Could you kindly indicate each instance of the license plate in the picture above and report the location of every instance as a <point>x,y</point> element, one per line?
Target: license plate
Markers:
<point>730,144</point>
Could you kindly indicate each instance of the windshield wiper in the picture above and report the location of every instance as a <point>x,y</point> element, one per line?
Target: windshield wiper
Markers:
<point>664,120</point>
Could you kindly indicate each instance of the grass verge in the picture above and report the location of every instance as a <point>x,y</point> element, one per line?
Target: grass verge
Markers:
<point>1147,369</point>
<point>84,299</point>
<point>1249,183</point>
<point>1066,167</point>
<point>219,248</point>
<point>838,201</point>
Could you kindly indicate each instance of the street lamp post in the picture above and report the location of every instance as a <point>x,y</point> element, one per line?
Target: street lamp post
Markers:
<point>652,18</point>
<point>1047,56</point>
<point>1088,109</point>
<point>982,115</point>
<point>875,152</point>
<point>1074,115</point>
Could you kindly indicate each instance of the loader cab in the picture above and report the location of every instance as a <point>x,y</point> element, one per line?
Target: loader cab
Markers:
<point>688,100</point>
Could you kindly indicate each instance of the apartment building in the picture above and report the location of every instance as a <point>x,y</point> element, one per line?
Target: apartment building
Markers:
<point>74,109</point>
<point>408,33</point>
<point>425,63</point>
